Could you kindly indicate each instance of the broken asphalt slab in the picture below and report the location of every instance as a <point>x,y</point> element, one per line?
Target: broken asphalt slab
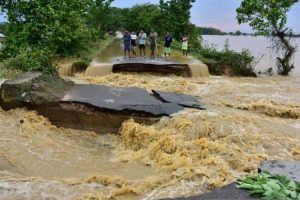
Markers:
<point>120,100</point>
<point>180,99</point>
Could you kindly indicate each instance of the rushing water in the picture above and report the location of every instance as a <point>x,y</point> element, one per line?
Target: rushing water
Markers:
<point>259,46</point>
<point>248,120</point>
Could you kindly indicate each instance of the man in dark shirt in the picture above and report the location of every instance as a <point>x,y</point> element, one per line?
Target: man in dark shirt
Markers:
<point>127,39</point>
<point>168,41</point>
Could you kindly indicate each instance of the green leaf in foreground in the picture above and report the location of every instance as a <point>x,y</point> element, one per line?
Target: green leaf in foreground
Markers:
<point>269,186</point>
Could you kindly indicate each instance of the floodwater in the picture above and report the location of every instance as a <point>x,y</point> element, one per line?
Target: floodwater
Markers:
<point>248,120</point>
<point>259,47</point>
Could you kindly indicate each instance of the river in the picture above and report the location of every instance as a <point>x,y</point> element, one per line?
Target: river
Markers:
<point>248,120</point>
<point>259,47</point>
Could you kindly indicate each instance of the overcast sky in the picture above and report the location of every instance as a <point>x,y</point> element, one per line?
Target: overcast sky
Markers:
<point>216,13</point>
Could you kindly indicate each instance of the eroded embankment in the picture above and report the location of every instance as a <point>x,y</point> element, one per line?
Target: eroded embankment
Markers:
<point>190,153</point>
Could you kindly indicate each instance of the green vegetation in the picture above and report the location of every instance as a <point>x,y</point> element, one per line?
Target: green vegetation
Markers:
<point>226,61</point>
<point>37,59</point>
<point>269,17</point>
<point>211,31</point>
<point>3,27</point>
<point>40,30</point>
<point>271,187</point>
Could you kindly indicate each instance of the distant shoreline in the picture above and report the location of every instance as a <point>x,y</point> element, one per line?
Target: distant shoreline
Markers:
<point>251,35</point>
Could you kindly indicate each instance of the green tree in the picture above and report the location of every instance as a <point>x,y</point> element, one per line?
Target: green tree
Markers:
<point>3,28</point>
<point>211,31</point>
<point>55,27</point>
<point>269,17</point>
<point>176,16</point>
<point>238,33</point>
<point>147,17</point>
<point>99,16</point>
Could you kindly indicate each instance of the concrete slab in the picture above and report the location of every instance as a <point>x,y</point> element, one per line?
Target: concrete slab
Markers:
<point>180,99</point>
<point>116,99</point>
<point>290,169</point>
<point>160,66</point>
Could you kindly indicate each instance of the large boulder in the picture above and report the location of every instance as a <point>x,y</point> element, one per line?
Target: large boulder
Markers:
<point>33,89</point>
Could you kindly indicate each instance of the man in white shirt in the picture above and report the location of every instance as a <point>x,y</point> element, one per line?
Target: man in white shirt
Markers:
<point>142,42</point>
<point>133,43</point>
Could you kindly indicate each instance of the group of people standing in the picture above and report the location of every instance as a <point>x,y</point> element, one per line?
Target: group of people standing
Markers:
<point>132,40</point>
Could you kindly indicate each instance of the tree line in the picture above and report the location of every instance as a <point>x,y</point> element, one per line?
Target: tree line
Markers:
<point>38,30</point>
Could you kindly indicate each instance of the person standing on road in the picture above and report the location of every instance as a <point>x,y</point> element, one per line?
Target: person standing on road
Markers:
<point>133,37</point>
<point>127,39</point>
<point>185,41</point>
<point>152,37</point>
<point>168,41</point>
<point>142,43</point>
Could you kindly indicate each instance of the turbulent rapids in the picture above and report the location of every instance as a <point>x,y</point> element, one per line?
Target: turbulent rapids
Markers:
<point>248,120</point>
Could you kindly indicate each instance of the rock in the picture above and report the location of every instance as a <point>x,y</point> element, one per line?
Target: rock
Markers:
<point>125,100</point>
<point>290,169</point>
<point>228,192</point>
<point>32,89</point>
<point>159,66</point>
<point>180,99</point>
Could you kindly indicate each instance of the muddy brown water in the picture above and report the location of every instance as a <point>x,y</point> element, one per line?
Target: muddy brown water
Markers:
<point>248,120</point>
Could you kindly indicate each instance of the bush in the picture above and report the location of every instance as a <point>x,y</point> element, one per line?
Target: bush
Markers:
<point>32,60</point>
<point>227,62</point>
